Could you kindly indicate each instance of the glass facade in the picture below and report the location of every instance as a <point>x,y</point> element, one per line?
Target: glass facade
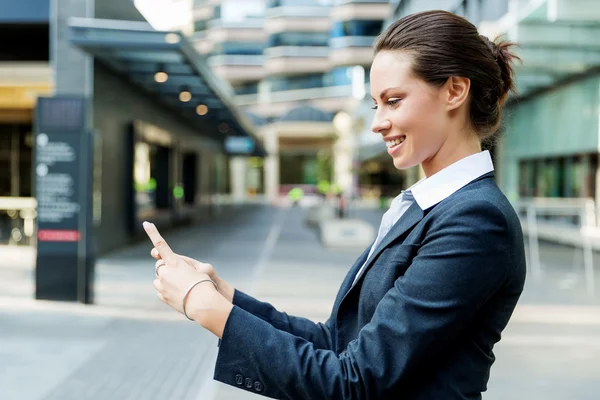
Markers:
<point>341,76</point>
<point>338,77</point>
<point>570,176</point>
<point>31,11</point>
<point>37,37</point>
<point>200,25</point>
<point>16,156</point>
<point>299,39</point>
<point>280,83</point>
<point>238,48</point>
<point>558,124</point>
<point>298,3</point>
<point>16,159</point>
<point>246,88</point>
<point>356,28</point>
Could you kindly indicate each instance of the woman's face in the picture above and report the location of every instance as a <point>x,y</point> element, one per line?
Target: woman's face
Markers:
<point>410,113</point>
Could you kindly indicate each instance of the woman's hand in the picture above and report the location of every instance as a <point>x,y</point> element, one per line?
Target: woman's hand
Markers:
<point>197,265</point>
<point>174,276</point>
<point>224,288</point>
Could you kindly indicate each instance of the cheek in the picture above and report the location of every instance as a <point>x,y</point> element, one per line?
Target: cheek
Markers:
<point>427,124</point>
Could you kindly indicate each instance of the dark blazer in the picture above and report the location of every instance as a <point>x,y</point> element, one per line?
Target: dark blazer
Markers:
<point>420,323</point>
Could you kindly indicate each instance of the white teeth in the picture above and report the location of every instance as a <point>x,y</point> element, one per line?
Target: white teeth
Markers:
<point>394,142</point>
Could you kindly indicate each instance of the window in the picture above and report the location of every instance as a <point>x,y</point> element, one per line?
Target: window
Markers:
<point>295,82</point>
<point>340,76</point>
<point>356,28</point>
<point>238,48</point>
<point>299,39</point>
<point>298,3</point>
<point>200,26</point>
<point>569,176</point>
<point>30,42</point>
<point>246,88</point>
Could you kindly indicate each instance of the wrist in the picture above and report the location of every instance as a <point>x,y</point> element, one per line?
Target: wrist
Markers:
<point>214,315</point>
<point>209,308</point>
<point>225,289</point>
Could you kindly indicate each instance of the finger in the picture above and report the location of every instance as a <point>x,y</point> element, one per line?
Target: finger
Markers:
<point>154,253</point>
<point>157,285</point>
<point>157,266</point>
<point>160,296</point>
<point>160,244</point>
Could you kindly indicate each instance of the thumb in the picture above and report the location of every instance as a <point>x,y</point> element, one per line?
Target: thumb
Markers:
<point>194,263</point>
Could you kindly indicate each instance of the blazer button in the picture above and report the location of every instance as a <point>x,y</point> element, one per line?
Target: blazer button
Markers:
<point>239,379</point>
<point>258,386</point>
<point>248,383</point>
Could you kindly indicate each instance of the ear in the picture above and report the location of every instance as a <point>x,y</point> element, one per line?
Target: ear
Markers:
<point>456,92</point>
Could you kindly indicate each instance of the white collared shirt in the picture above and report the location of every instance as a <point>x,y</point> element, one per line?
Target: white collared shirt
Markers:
<point>430,191</point>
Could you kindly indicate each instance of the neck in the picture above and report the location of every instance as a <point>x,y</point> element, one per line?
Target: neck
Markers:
<point>451,152</point>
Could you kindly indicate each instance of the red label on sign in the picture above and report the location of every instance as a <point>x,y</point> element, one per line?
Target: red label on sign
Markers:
<point>48,235</point>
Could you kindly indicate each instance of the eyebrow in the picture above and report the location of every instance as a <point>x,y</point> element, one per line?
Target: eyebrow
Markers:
<point>385,91</point>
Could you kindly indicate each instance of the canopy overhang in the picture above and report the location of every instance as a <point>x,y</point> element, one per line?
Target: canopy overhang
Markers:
<point>138,52</point>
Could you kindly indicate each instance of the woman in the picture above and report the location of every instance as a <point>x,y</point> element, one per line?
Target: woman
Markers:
<point>419,312</point>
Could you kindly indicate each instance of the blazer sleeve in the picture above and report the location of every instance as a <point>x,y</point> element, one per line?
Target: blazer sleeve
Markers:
<point>318,334</point>
<point>461,263</point>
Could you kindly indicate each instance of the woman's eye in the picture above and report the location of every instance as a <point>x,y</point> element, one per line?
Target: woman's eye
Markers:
<point>390,102</point>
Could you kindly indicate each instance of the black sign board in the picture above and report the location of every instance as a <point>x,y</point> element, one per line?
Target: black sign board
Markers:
<point>62,176</point>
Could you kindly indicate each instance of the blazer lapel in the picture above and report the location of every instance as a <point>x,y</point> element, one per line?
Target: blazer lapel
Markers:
<point>409,219</point>
<point>347,283</point>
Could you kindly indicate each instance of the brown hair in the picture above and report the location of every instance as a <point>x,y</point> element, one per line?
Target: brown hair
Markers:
<point>444,45</point>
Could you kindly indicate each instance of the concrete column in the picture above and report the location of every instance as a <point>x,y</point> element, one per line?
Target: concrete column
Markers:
<point>73,68</point>
<point>203,192</point>
<point>237,171</point>
<point>587,170</point>
<point>271,142</point>
<point>218,172</point>
<point>175,178</point>
<point>15,153</point>
<point>343,154</point>
<point>597,194</point>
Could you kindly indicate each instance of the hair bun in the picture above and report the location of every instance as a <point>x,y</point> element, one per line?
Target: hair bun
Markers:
<point>501,51</point>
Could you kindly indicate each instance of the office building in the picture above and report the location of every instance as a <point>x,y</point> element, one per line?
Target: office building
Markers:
<point>294,65</point>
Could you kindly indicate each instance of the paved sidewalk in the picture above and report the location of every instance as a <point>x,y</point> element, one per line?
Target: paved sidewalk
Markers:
<point>131,346</point>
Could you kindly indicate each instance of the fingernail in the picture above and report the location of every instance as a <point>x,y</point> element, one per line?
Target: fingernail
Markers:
<point>146,224</point>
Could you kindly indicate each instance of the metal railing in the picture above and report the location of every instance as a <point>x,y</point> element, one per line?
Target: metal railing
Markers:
<point>17,220</point>
<point>575,216</point>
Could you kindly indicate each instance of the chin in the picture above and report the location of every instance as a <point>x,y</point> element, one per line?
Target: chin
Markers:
<point>402,163</point>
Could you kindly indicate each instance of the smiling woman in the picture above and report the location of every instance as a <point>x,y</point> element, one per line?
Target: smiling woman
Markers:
<point>420,311</point>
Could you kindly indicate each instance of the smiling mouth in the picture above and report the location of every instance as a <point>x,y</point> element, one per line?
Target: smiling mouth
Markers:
<point>394,142</point>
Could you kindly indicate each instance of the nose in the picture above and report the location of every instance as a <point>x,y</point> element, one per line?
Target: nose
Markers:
<point>380,125</point>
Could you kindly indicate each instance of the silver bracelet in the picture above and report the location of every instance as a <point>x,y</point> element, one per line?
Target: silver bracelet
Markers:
<point>187,293</point>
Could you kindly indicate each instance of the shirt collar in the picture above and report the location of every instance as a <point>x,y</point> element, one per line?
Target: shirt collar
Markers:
<point>430,191</point>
